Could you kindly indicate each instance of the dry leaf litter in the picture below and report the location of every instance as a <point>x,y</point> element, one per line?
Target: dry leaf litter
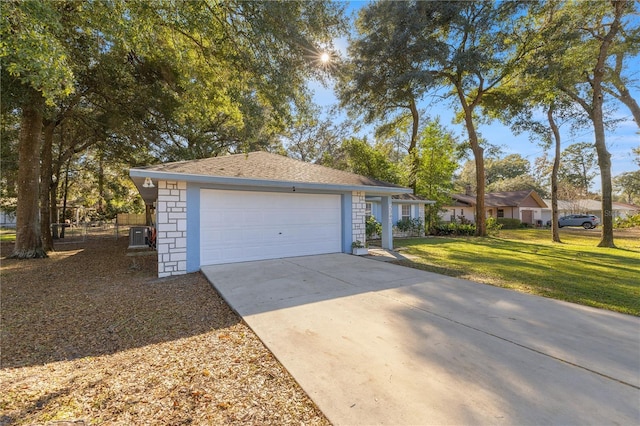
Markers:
<point>92,336</point>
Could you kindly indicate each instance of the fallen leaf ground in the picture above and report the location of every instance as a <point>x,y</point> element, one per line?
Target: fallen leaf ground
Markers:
<point>92,336</point>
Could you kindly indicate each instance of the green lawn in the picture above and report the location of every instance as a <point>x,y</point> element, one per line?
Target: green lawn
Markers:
<point>526,260</point>
<point>7,235</point>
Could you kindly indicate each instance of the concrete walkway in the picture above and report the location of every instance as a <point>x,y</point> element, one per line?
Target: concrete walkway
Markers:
<point>376,343</point>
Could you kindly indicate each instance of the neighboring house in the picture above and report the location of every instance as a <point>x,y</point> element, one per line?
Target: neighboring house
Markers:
<point>256,206</point>
<point>583,206</point>
<point>7,219</point>
<point>404,206</point>
<point>523,205</point>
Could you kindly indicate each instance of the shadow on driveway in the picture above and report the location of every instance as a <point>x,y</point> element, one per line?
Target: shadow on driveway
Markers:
<point>376,343</point>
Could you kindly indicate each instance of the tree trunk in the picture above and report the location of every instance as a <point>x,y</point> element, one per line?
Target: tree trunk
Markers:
<point>604,158</point>
<point>604,161</point>
<point>46,179</point>
<point>28,240</point>
<point>415,160</point>
<point>64,199</point>
<point>53,205</point>
<point>478,156</point>
<point>100,186</point>
<point>623,94</point>
<point>555,231</point>
<point>626,98</point>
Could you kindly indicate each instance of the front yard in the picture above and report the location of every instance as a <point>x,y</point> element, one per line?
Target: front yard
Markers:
<point>91,336</point>
<point>526,260</point>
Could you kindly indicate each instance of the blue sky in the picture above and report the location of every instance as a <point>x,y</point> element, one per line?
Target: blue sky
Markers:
<point>620,141</point>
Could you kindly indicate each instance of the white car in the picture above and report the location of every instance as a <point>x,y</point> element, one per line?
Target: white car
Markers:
<point>587,221</point>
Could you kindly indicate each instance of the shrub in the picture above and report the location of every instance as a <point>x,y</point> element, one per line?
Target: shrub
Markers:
<point>454,229</point>
<point>493,227</point>
<point>509,223</point>
<point>372,227</point>
<point>413,226</point>
<point>627,222</point>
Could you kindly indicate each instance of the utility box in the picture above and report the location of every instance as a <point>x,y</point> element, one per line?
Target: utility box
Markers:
<point>137,237</point>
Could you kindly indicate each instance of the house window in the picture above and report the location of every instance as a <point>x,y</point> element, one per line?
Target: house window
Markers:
<point>367,210</point>
<point>500,212</point>
<point>406,211</point>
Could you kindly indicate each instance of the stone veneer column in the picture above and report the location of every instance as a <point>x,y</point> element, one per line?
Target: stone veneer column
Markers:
<point>171,224</point>
<point>358,216</point>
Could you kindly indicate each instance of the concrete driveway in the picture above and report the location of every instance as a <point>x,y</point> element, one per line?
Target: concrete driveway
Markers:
<point>375,343</point>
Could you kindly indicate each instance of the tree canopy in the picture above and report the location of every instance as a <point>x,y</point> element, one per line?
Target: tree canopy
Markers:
<point>89,88</point>
<point>175,79</point>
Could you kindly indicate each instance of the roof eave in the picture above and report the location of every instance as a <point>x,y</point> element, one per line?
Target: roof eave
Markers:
<point>138,176</point>
<point>395,201</point>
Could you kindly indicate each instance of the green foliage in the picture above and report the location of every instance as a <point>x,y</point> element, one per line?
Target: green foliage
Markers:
<point>311,139</point>
<point>509,173</point>
<point>628,184</point>
<point>508,223</point>
<point>436,157</point>
<point>519,183</point>
<point>453,229</point>
<point>578,165</point>
<point>391,55</point>
<point>628,222</point>
<point>493,227</point>
<point>33,49</point>
<point>508,167</point>
<point>154,81</point>
<point>413,226</point>
<point>372,227</point>
<point>358,156</point>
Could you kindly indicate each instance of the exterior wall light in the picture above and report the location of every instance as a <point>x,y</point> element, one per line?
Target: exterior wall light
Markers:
<point>147,183</point>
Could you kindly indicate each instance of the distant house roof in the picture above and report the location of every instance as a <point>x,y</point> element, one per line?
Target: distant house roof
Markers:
<point>626,206</point>
<point>261,169</point>
<point>502,199</point>
<point>585,205</point>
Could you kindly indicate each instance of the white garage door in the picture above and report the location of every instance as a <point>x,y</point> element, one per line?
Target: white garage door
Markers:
<point>239,226</point>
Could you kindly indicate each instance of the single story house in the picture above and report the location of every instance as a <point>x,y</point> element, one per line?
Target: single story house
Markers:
<point>404,206</point>
<point>256,206</point>
<point>584,206</point>
<point>523,205</point>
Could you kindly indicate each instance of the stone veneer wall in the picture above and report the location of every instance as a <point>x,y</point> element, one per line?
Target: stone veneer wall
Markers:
<point>171,226</point>
<point>358,208</point>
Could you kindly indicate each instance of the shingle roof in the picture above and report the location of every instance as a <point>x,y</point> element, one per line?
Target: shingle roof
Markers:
<point>500,199</point>
<point>267,166</point>
<point>584,205</point>
<point>402,199</point>
<point>410,197</point>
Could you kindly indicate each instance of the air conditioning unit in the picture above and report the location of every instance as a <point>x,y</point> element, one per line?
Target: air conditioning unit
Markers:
<point>137,237</point>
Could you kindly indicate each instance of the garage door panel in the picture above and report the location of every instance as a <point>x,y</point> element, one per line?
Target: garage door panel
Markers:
<point>238,226</point>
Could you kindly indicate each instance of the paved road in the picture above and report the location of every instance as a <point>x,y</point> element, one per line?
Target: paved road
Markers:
<point>375,343</point>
